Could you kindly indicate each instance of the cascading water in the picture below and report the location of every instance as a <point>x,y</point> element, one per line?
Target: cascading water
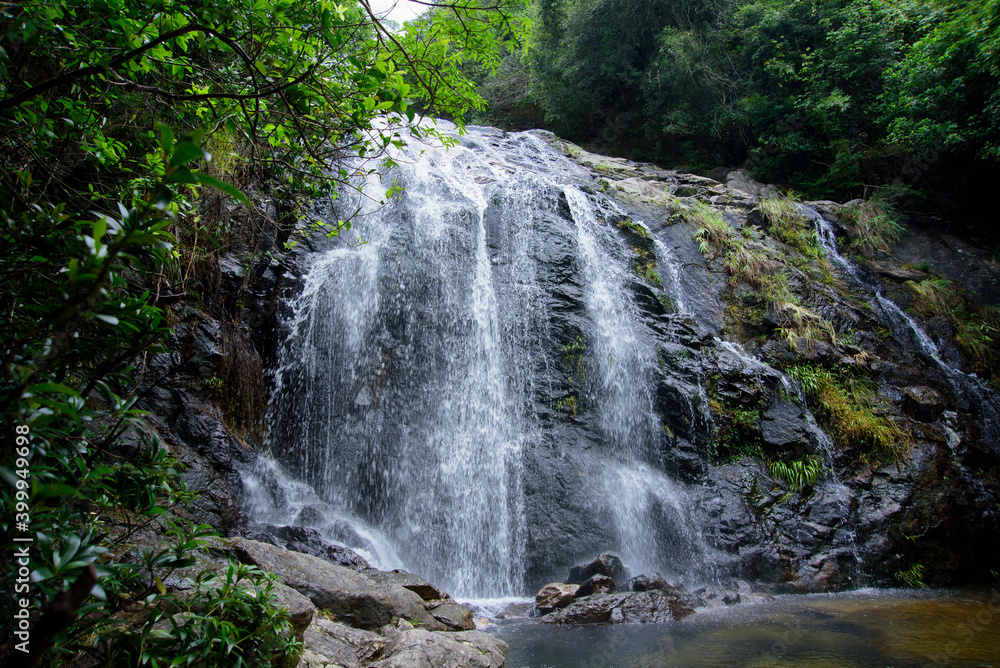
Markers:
<point>425,396</point>
<point>968,389</point>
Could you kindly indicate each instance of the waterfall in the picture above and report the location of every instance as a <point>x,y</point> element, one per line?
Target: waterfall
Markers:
<point>471,389</point>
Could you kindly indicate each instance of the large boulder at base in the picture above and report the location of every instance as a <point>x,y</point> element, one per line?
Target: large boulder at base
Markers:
<point>596,584</point>
<point>407,580</point>
<point>455,616</point>
<point>646,582</point>
<point>417,648</point>
<point>351,597</point>
<point>555,595</point>
<point>625,608</point>
<point>650,607</point>
<point>328,645</point>
<point>606,564</point>
<point>300,609</point>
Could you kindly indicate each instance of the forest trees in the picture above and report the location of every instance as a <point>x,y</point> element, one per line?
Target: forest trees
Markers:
<point>114,116</point>
<point>830,97</point>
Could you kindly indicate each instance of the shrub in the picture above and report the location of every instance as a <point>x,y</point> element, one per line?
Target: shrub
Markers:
<point>798,473</point>
<point>849,408</point>
<point>876,224</point>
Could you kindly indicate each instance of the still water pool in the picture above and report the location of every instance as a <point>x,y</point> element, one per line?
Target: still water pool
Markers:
<point>864,628</point>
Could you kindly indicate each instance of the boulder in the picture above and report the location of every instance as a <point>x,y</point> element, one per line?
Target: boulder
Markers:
<point>307,541</point>
<point>590,610</point>
<point>606,564</point>
<point>331,644</point>
<point>647,607</point>
<point>555,595</point>
<point>349,596</point>
<point>455,616</point>
<point>300,609</point>
<point>406,580</point>
<point>646,582</point>
<point>596,584</point>
<point>417,648</point>
<point>738,180</point>
<point>783,424</point>
<point>629,608</point>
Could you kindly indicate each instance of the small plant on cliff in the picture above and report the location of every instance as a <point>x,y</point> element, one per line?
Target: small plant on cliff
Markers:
<point>637,228</point>
<point>790,225</point>
<point>876,223</point>
<point>977,328</point>
<point>912,577</point>
<point>574,353</point>
<point>798,473</point>
<point>801,324</point>
<point>568,404</point>
<point>645,266</point>
<point>852,412</point>
<point>743,259</point>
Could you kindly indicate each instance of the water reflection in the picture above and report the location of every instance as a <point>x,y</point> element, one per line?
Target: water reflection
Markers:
<point>897,629</point>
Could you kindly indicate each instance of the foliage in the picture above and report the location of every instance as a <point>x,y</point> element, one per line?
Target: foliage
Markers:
<point>568,404</point>
<point>799,323</point>
<point>912,577</point>
<point>945,92</point>
<point>103,223</point>
<point>849,409</point>
<point>229,618</point>
<point>829,97</point>
<point>977,328</point>
<point>876,224</point>
<point>744,260</point>
<point>76,324</point>
<point>798,473</point>
<point>573,353</point>
<point>645,266</point>
<point>787,223</point>
<point>737,431</point>
<point>631,225</point>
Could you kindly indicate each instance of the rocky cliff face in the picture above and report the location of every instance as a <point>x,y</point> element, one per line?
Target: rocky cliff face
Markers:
<point>907,479</point>
<point>803,437</point>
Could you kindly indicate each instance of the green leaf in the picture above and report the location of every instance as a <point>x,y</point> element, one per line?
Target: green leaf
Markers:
<point>182,175</point>
<point>185,153</point>
<point>230,190</point>
<point>166,138</point>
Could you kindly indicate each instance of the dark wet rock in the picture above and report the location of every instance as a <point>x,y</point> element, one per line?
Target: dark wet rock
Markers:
<point>646,582</point>
<point>307,541</point>
<point>596,584</point>
<point>607,564</point>
<point>555,595</point>
<point>830,571</point>
<point>650,607</point>
<point>783,425</point>
<point>629,608</point>
<point>922,403</point>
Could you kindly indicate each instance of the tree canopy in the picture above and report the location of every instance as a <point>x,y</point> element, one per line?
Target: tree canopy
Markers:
<point>138,142</point>
<point>830,97</point>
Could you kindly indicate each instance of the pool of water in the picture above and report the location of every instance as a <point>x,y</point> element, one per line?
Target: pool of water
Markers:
<point>886,628</point>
